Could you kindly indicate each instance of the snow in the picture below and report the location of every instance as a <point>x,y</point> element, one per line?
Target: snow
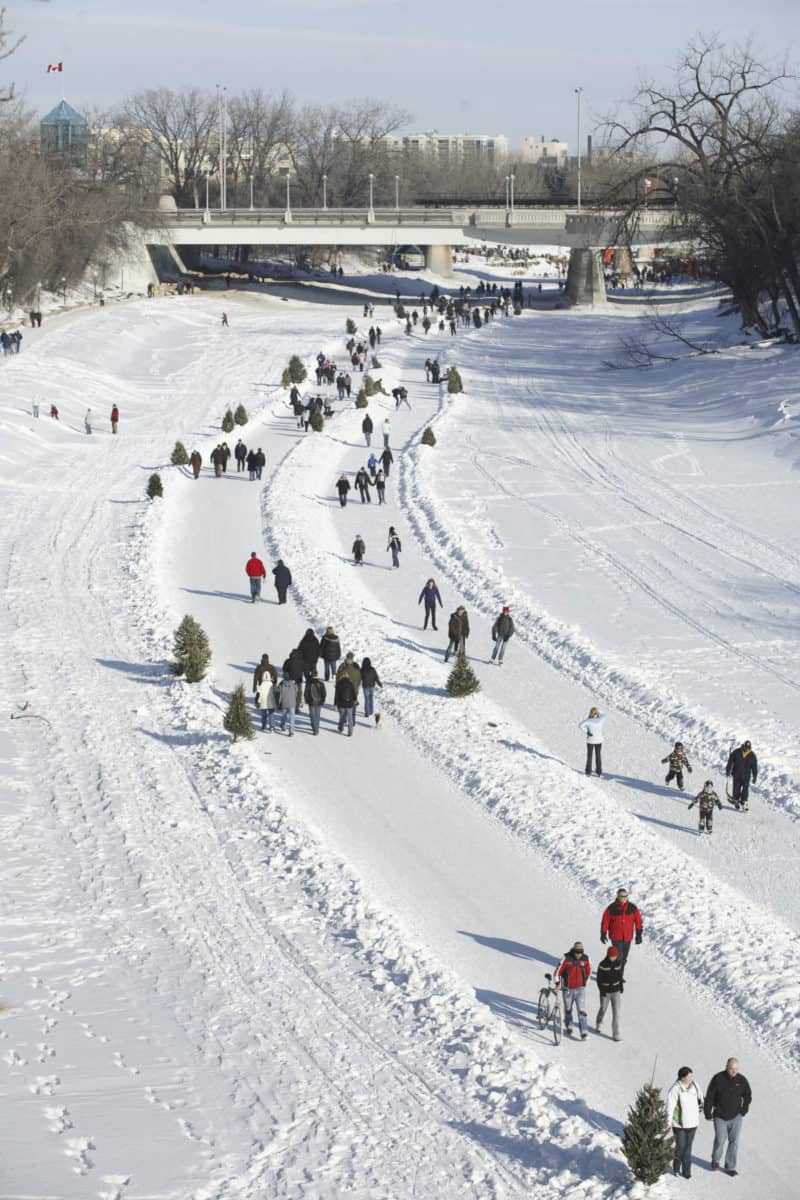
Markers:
<point>310,968</point>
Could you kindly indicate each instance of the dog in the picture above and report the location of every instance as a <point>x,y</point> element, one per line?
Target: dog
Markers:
<point>379,720</point>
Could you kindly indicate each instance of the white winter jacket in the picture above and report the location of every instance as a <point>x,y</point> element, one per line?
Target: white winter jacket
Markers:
<point>684,1105</point>
<point>593,728</point>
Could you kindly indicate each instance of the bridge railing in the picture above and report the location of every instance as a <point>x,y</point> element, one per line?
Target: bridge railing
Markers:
<point>316,216</point>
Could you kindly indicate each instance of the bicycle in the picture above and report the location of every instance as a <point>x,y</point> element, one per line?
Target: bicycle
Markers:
<point>549,1010</point>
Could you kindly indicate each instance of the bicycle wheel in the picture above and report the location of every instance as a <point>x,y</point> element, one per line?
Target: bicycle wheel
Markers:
<point>557,1022</point>
<point>543,1011</point>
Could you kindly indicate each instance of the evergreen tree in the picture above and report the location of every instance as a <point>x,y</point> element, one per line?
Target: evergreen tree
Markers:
<point>350,326</point>
<point>237,718</point>
<point>154,487</point>
<point>179,457</point>
<point>454,384</point>
<point>286,378</point>
<point>462,680</point>
<point>317,421</point>
<point>240,416</point>
<point>191,650</point>
<point>227,422</point>
<point>400,310</point>
<point>376,364</point>
<point>646,1139</point>
<point>361,398</point>
<point>297,371</point>
<point>428,437</point>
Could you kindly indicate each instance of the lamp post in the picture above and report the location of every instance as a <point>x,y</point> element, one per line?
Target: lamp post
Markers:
<point>511,193</point>
<point>251,191</point>
<point>206,193</point>
<point>674,194</point>
<point>397,193</point>
<point>288,198</point>
<point>506,181</point>
<point>64,287</point>
<point>371,195</point>
<point>223,146</point>
<point>324,191</point>
<point>579,93</point>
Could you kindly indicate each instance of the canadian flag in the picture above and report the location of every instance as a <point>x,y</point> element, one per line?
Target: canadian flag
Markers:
<point>54,67</point>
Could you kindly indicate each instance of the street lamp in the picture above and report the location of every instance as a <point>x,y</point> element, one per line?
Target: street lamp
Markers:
<point>324,191</point>
<point>506,181</point>
<point>206,193</point>
<point>222,106</point>
<point>397,192</point>
<point>511,181</point>
<point>251,190</point>
<point>288,198</point>
<point>371,194</point>
<point>579,93</point>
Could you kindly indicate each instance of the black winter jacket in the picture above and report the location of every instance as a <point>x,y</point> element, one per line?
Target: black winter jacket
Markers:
<point>369,678</point>
<point>309,648</point>
<point>315,692</point>
<point>345,694</point>
<point>330,648</point>
<point>282,575</point>
<point>609,976</point>
<point>742,766</point>
<point>727,1096</point>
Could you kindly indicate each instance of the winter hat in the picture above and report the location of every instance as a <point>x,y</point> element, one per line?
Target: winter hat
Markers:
<point>612,952</point>
<point>505,609</point>
<point>684,1071</point>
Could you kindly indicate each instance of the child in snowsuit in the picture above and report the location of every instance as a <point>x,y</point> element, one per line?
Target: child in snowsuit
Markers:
<point>678,763</point>
<point>706,799</point>
<point>359,550</point>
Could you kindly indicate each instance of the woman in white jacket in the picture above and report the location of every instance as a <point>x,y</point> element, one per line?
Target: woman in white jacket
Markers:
<point>593,728</point>
<point>684,1105</point>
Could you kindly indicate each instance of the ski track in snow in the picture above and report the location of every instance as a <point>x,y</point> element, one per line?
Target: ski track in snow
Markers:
<point>182,876</point>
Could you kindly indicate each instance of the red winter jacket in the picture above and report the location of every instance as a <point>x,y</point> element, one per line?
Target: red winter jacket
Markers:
<point>255,568</point>
<point>574,972</point>
<point>621,921</point>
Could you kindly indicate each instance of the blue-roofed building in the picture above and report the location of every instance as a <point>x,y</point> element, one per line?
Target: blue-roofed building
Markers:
<point>64,134</point>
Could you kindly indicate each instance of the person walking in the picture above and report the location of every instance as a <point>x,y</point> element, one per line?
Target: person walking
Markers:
<point>295,668</point>
<point>367,428</point>
<point>369,681</point>
<point>502,632</point>
<point>331,651</point>
<point>87,421</point>
<point>309,649</point>
<point>283,580</point>
<point>345,700</point>
<point>251,464</point>
<point>387,431</point>
<point>621,922</point>
<point>255,571</point>
<point>573,975</point>
<point>114,419</point>
<point>394,545</point>
<point>727,1103</point>
<point>261,462</point>
<point>225,451</point>
<point>343,487</point>
<point>706,799</point>
<point>593,728</point>
<point>359,550</point>
<point>430,596</point>
<point>266,696</point>
<point>684,1105</point>
<point>387,458</point>
<point>351,669</point>
<point>743,766</point>
<point>240,454</point>
<point>216,461</point>
<point>315,694</point>
<point>458,632</point>
<point>225,315</point>
<point>288,696</point>
<point>196,462</point>
<point>263,668</point>
<point>362,483</point>
<point>610,985</point>
<point>678,763</point>
<point>380,486</point>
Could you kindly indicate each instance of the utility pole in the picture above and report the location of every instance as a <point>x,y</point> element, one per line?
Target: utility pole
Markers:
<point>579,93</point>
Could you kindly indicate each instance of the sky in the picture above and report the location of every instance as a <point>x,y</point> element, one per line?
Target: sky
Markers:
<point>458,66</point>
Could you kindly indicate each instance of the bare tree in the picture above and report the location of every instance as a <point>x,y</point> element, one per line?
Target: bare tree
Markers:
<point>180,127</point>
<point>347,144</point>
<point>7,48</point>
<point>261,129</point>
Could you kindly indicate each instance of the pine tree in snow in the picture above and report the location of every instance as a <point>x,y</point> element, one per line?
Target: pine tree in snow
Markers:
<point>646,1138</point>
<point>240,416</point>
<point>454,384</point>
<point>428,437</point>
<point>179,457</point>
<point>297,371</point>
<point>237,718</point>
<point>191,650</point>
<point>227,422</point>
<point>154,487</point>
<point>462,680</point>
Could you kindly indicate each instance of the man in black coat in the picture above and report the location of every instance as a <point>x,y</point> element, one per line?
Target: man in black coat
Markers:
<point>743,766</point>
<point>728,1099</point>
<point>309,648</point>
<point>362,483</point>
<point>610,983</point>
<point>283,580</point>
<point>458,632</point>
<point>240,454</point>
<point>366,428</point>
<point>387,458</point>
<point>343,487</point>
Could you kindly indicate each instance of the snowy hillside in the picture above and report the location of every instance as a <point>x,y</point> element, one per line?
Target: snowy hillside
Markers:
<point>308,967</point>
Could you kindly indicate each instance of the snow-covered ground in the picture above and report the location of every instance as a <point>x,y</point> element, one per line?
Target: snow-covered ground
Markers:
<point>308,968</point>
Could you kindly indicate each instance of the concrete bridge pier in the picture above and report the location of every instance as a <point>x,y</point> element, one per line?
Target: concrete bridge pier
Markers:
<point>585,281</point>
<point>439,259</point>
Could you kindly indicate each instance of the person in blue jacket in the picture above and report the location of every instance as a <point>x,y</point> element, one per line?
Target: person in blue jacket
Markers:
<point>430,594</point>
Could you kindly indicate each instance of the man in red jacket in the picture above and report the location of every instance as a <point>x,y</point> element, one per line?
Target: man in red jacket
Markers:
<point>573,976</point>
<point>256,571</point>
<point>621,921</point>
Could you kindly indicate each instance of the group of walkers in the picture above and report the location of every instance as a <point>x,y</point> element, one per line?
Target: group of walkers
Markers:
<point>11,343</point>
<point>300,682</point>
<point>253,461</point>
<point>256,572</point>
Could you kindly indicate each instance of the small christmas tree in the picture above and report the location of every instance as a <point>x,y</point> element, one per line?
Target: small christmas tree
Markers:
<point>400,310</point>
<point>646,1139</point>
<point>377,365</point>
<point>154,487</point>
<point>361,398</point>
<point>191,650</point>
<point>350,326</point>
<point>240,416</point>
<point>227,422</point>
<point>317,421</point>
<point>369,386</point>
<point>297,371</point>
<point>237,718</point>
<point>286,378</point>
<point>462,680</point>
<point>454,384</point>
<point>179,457</point>
<point>428,437</point>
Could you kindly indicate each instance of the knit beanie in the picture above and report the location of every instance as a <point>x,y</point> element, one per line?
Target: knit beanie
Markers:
<point>613,952</point>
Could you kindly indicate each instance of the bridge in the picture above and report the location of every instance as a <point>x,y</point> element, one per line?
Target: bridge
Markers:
<point>436,230</point>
